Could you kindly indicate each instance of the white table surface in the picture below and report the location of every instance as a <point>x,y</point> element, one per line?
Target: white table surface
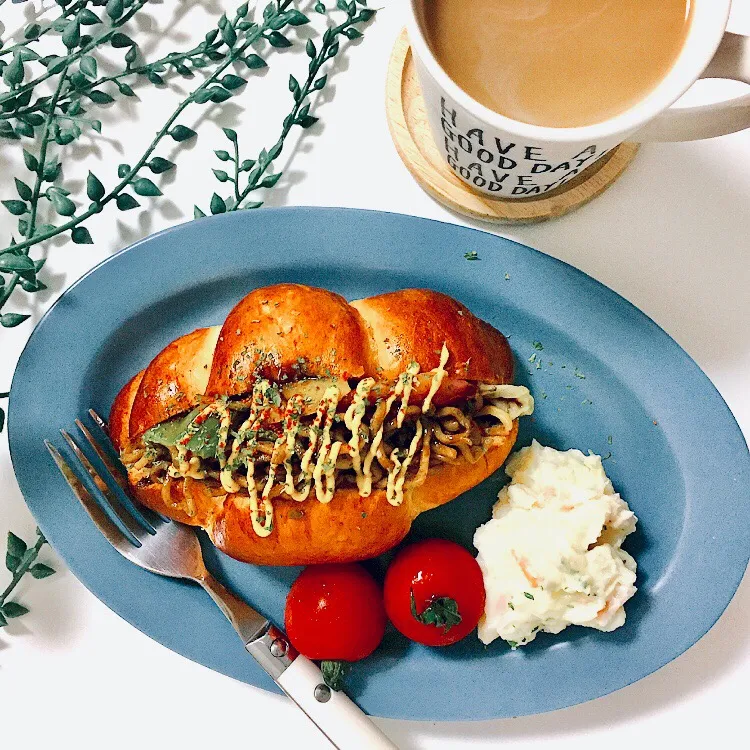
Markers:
<point>672,236</point>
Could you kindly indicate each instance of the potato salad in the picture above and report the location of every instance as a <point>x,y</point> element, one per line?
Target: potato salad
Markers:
<point>551,556</point>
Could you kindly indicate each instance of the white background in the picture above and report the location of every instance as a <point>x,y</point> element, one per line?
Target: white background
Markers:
<point>672,236</point>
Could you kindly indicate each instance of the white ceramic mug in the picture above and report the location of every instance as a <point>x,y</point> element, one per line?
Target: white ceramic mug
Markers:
<point>508,159</point>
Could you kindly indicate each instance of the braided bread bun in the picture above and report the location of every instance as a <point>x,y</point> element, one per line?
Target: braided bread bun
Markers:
<point>287,334</point>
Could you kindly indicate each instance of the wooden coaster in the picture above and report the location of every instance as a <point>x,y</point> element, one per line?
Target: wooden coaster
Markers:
<point>411,133</point>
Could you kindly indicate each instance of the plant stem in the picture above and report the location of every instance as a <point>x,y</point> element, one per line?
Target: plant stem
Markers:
<point>15,277</point>
<point>23,568</point>
<point>73,56</point>
<point>314,69</point>
<point>69,11</point>
<point>125,181</point>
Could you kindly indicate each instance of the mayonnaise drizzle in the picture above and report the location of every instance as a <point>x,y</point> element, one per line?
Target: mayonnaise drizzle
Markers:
<point>437,379</point>
<point>505,402</point>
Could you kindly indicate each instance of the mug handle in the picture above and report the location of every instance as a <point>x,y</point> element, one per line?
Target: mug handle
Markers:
<point>732,60</point>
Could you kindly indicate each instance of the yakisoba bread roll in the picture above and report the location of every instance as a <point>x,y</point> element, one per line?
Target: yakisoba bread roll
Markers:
<point>309,430</point>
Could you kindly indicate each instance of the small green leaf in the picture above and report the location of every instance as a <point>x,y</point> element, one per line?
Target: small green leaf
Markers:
<point>16,546</point>
<point>307,122</point>
<point>20,264</point>
<point>40,570</point>
<point>72,34</point>
<point>320,8</point>
<point>30,161</point>
<point>296,18</point>
<point>352,33</point>
<point>131,55</point>
<point>155,78</point>
<point>181,133</point>
<point>219,95</point>
<point>23,128</point>
<point>270,181</point>
<point>197,213</point>
<point>218,205</point>
<point>310,48</point>
<point>17,208</point>
<point>293,84</point>
<point>114,9</point>
<point>94,188</point>
<point>122,170</point>
<point>14,72</point>
<point>278,40</point>
<point>229,35</point>
<point>11,320</point>
<point>13,609</point>
<point>120,40</point>
<point>11,561</point>
<point>81,236</point>
<point>96,125</point>
<point>32,31</point>
<point>52,170</point>
<point>221,175</point>
<point>201,96</point>
<point>88,66</point>
<point>442,612</point>
<point>223,155</point>
<point>33,286</point>
<point>56,64</point>
<point>247,165</point>
<point>63,205</point>
<point>88,17</point>
<point>252,204</point>
<point>144,186</point>
<point>366,14</point>
<point>320,83</point>
<point>230,134</point>
<point>255,61</point>
<point>158,165</point>
<point>334,673</point>
<point>125,202</point>
<point>100,97</point>
<point>125,90</point>
<point>232,82</point>
<point>23,228</point>
<point>23,189</point>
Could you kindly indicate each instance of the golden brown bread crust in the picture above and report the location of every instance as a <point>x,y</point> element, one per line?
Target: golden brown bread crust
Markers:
<point>174,381</point>
<point>119,414</point>
<point>287,332</point>
<point>348,528</point>
<point>413,324</point>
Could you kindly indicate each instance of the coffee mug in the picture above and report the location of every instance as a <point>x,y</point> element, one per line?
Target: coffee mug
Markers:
<point>508,159</point>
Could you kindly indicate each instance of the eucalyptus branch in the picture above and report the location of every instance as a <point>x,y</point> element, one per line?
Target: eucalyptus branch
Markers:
<point>19,560</point>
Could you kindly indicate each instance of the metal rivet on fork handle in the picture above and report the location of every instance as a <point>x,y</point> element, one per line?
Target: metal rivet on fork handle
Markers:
<point>322,693</point>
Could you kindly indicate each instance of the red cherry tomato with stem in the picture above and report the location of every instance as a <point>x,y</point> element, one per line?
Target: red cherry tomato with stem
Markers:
<point>434,592</point>
<point>335,613</point>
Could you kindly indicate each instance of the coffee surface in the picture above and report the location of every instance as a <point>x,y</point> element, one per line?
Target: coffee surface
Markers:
<point>557,63</point>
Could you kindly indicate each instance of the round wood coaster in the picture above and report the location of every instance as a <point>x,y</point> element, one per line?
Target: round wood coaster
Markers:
<point>411,134</point>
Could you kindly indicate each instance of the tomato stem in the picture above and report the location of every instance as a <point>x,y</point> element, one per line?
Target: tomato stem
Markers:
<point>441,611</point>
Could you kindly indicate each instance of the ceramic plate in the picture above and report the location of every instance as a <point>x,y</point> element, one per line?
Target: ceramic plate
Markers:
<point>607,379</point>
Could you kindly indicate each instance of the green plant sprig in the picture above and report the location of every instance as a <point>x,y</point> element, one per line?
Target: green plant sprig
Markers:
<point>238,34</point>
<point>19,560</point>
<point>71,37</point>
<point>300,115</point>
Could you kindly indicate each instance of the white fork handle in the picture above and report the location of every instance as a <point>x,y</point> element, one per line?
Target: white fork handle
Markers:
<point>340,719</point>
<point>732,60</point>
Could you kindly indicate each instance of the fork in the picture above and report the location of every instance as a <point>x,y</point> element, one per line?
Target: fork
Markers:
<point>171,549</point>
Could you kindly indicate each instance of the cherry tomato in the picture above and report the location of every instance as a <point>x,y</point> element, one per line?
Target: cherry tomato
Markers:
<point>335,612</point>
<point>434,592</point>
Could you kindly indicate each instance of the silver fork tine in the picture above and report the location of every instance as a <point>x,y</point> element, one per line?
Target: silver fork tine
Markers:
<point>127,520</point>
<point>102,424</point>
<point>102,521</point>
<point>117,475</point>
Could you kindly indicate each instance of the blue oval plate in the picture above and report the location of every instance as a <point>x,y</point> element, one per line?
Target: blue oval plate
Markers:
<point>604,376</point>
